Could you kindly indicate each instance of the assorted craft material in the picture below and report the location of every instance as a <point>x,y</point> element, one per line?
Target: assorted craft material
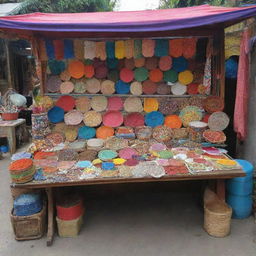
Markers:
<point>112,116</point>
<point>136,67</point>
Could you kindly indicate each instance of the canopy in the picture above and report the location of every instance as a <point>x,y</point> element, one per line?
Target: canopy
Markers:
<point>127,21</point>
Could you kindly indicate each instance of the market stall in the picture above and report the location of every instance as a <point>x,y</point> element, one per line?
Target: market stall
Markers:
<point>127,97</point>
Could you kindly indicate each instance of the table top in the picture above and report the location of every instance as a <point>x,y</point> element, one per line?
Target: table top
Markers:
<point>216,174</point>
<point>12,123</point>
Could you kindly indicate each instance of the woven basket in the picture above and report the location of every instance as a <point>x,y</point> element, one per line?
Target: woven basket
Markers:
<point>15,192</point>
<point>217,218</point>
<point>29,227</point>
<point>69,228</point>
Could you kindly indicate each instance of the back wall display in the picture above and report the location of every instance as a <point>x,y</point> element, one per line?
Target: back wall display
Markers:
<point>136,67</point>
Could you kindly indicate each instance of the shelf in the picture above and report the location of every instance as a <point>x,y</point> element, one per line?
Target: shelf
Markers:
<point>124,95</point>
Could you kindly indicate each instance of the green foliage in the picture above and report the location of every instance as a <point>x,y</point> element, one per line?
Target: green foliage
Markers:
<point>64,6</point>
<point>165,4</point>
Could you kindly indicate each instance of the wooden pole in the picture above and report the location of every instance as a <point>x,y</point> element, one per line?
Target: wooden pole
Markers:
<point>9,73</point>
<point>219,63</point>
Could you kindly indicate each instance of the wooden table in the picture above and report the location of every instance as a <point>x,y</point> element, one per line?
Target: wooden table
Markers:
<point>8,130</point>
<point>218,176</point>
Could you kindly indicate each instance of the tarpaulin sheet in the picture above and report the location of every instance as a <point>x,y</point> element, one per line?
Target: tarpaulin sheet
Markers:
<point>128,21</point>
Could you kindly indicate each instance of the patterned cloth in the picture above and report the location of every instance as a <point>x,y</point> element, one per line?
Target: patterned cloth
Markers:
<point>208,69</point>
<point>242,89</point>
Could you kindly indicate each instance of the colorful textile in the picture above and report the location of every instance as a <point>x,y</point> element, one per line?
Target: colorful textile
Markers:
<point>122,87</point>
<point>176,47</point>
<point>242,89</point>
<point>208,69</point>
<point>124,22</point>
<point>89,50</point>
<point>179,64</point>
<point>154,118</point>
<point>42,50</point>
<point>58,49</point>
<point>137,48</point>
<point>162,47</point>
<point>56,66</point>
<point>189,47</point>
<point>110,49</point>
<point>50,49</point>
<point>101,50</point>
<point>68,49</point>
<point>112,63</point>
<point>129,48</point>
<point>79,49</point>
<point>148,47</point>
<point>119,49</point>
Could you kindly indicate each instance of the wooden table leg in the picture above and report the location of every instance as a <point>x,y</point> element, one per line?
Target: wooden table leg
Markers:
<point>220,189</point>
<point>50,230</point>
<point>11,136</point>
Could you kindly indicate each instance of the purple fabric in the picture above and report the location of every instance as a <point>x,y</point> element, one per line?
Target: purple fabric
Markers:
<point>137,21</point>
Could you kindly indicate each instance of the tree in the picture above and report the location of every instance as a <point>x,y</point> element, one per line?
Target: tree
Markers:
<point>64,6</point>
<point>165,4</point>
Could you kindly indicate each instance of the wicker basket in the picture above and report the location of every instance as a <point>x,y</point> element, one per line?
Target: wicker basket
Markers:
<point>29,227</point>
<point>15,192</point>
<point>69,228</point>
<point>217,218</point>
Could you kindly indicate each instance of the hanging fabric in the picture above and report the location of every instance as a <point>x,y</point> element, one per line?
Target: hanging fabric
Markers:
<point>176,47</point>
<point>101,50</point>
<point>68,49</point>
<point>49,49</point>
<point>189,47</point>
<point>89,50</point>
<point>79,49</point>
<point>129,48</point>
<point>119,49</point>
<point>242,89</point>
<point>162,47</point>
<point>58,49</point>
<point>148,47</point>
<point>110,49</point>
<point>42,50</point>
<point>138,49</point>
<point>208,68</point>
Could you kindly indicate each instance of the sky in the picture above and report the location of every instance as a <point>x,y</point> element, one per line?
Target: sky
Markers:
<point>133,5</point>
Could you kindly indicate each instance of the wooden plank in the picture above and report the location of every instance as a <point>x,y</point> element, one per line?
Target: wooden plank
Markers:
<point>8,60</point>
<point>13,123</point>
<point>222,62</point>
<point>50,230</point>
<point>205,176</point>
<point>218,66</point>
<point>11,139</point>
<point>220,189</point>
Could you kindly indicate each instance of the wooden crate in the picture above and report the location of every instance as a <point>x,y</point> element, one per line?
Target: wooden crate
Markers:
<point>29,227</point>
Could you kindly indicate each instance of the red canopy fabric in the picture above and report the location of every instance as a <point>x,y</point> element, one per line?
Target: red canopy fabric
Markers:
<point>128,21</point>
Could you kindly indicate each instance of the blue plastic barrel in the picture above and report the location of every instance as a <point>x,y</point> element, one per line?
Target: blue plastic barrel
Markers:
<point>242,186</point>
<point>239,190</point>
<point>241,205</point>
<point>247,168</point>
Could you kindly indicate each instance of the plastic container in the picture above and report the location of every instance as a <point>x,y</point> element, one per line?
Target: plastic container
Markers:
<point>240,188</point>
<point>247,168</point>
<point>4,149</point>
<point>69,228</point>
<point>70,213</point>
<point>241,205</point>
<point>10,116</point>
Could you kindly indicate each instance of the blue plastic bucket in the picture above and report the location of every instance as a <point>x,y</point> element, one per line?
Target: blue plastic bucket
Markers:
<point>241,205</point>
